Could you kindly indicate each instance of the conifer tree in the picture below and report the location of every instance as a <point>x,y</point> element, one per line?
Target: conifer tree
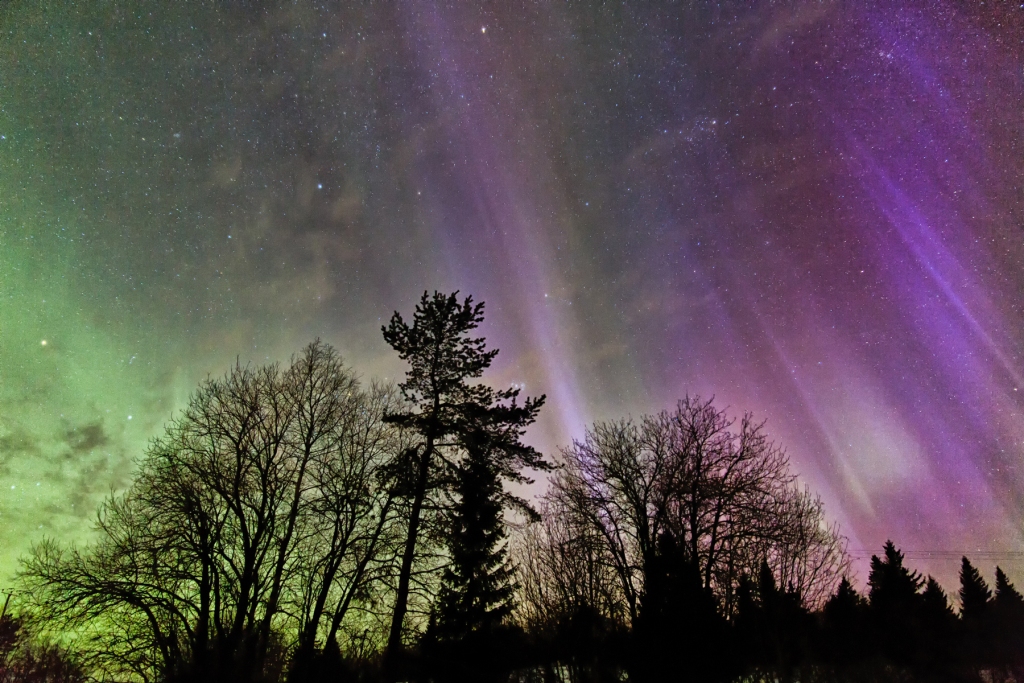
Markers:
<point>1008,625</point>
<point>1006,596</point>
<point>934,603</point>
<point>974,593</point>
<point>843,628</point>
<point>895,604</point>
<point>451,416</point>
<point>975,613</point>
<point>891,585</point>
<point>938,647</point>
<point>845,602</point>
<point>477,588</point>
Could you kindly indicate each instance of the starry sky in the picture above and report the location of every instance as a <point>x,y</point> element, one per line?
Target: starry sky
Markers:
<point>812,211</point>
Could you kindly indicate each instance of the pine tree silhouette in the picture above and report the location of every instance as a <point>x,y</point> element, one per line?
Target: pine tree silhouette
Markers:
<point>895,602</point>
<point>1006,596</point>
<point>844,627</point>
<point>891,585</point>
<point>1008,626</point>
<point>935,607</point>
<point>785,625</point>
<point>466,641</point>
<point>451,416</point>
<point>975,615</point>
<point>679,631</point>
<point>938,653</point>
<point>974,593</point>
<point>477,588</point>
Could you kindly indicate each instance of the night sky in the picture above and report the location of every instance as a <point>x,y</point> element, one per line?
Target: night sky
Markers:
<point>812,211</point>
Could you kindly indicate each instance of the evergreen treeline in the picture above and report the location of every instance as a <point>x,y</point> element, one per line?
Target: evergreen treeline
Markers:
<point>294,525</point>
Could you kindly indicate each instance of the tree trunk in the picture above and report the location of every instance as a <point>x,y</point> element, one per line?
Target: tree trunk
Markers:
<point>402,598</point>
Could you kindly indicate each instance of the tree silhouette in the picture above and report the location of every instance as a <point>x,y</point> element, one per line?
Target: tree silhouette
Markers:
<point>1008,626</point>
<point>975,612</point>
<point>441,358</point>
<point>787,622</point>
<point>567,599</point>
<point>891,586</point>
<point>1006,596</point>
<point>938,655</point>
<point>845,628</point>
<point>477,588</point>
<point>452,416</point>
<point>24,659</point>
<point>465,641</point>
<point>259,510</point>
<point>678,627</point>
<point>974,593</point>
<point>351,528</point>
<point>773,627</point>
<point>894,601</point>
<point>722,491</point>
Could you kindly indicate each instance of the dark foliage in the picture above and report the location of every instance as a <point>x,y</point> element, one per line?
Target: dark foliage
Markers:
<point>478,585</point>
<point>975,595</point>
<point>679,628</point>
<point>975,615</point>
<point>452,417</point>
<point>939,657</point>
<point>1007,614</point>
<point>589,645</point>
<point>786,626</point>
<point>24,659</point>
<point>844,628</point>
<point>894,602</point>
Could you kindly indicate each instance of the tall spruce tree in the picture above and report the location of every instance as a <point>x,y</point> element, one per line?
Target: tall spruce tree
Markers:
<point>1007,597</point>
<point>935,609</point>
<point>454,417</point>
<point>1008,624</point>
<point>974,593</point>
<point>938,650</point>
<point>895,604</point>
<point>843,631</point>
<point>975,615</point>
<point>892,587</point>
<point>477,588</point>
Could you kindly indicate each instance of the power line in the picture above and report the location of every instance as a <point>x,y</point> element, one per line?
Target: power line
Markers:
<point>1009,555</point>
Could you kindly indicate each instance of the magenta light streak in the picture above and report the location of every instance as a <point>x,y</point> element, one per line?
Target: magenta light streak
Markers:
<point>499,242</point>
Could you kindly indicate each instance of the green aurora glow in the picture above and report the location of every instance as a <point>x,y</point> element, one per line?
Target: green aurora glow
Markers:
<point>812,212</point>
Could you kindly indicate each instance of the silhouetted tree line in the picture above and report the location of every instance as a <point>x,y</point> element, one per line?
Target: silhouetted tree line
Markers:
<point>294,525</point>
<point>27,658</point>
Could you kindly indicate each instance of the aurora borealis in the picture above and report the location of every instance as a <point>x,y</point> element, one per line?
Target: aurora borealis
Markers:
<point>814,212</point>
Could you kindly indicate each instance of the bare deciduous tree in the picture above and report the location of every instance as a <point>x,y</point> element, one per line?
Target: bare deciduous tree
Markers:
<point>266,505</point>
<point>563,572</point>
<point>352,529</point>
<point>726,496</point>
